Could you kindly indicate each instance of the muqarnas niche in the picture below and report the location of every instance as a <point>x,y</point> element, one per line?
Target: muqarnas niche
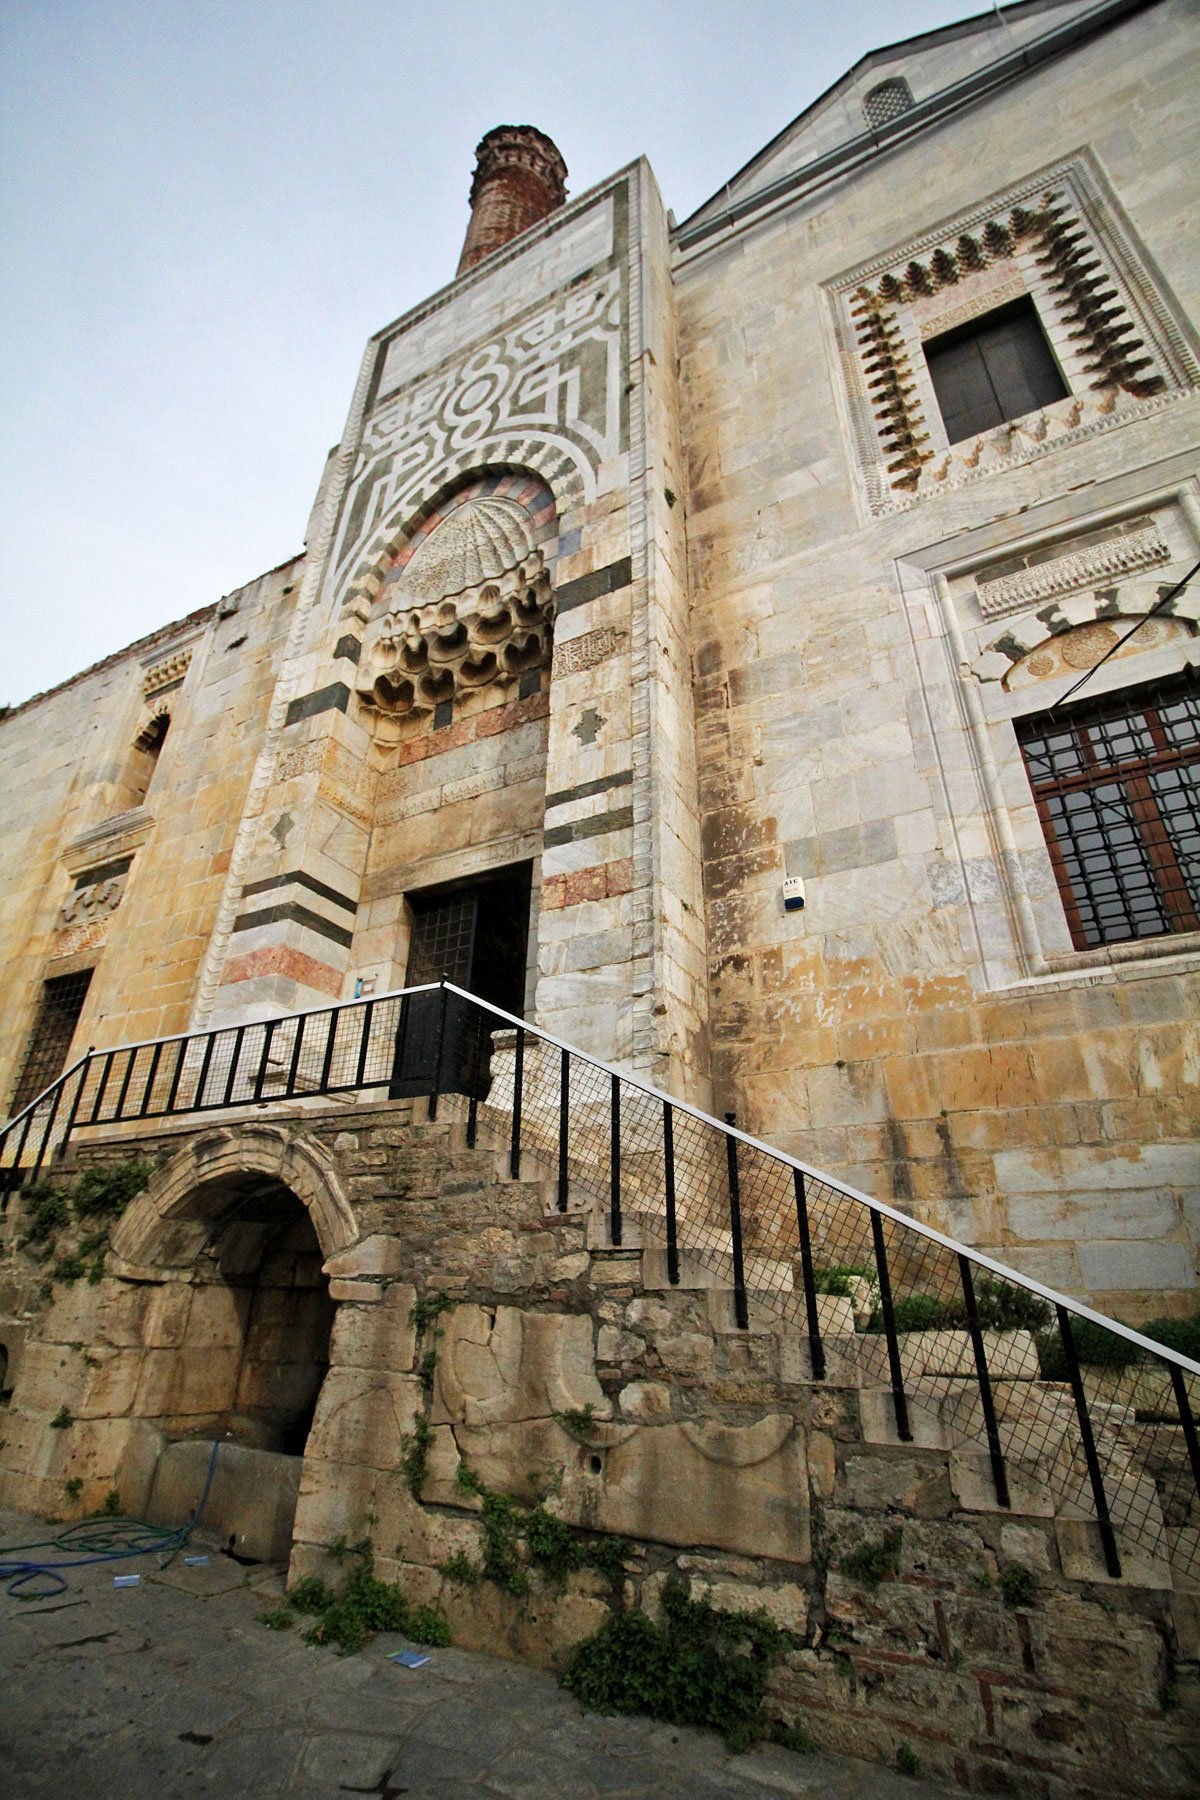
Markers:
<point>463,620</point>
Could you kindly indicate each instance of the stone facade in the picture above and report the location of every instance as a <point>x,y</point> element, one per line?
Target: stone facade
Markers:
<point>644,577</point>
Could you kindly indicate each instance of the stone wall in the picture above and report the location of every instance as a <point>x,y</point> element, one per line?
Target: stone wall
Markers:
<point>925,1027</point>
<point>104,872</point>
<point>478,1329</point>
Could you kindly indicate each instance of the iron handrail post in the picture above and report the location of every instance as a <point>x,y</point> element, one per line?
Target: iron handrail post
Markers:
<point>808,1277</point>
<point>101,1085</point>
<point>435,1087</point>
<point>126,1081</point>
<point>176,1077</point>
<point>294,1065</point>
<point>741,1310</point>
<point>365,1043</point>
<point>564,1108</point>
<point>334,1014</point>
<point>48,1132</point>
<point>986,1399</point>
<point>669,1183</point>
<point>155,1057</point>
<point>1108,1538</point>
<point>231,1080</point>
<point>476,1066</point>
<point>202,1078</point>
<point>264,1059</point>
<point>76,1098</point>
<point>1187,1421</point>
<point>514,1151</point>
<point>899,1398</point>
<point>616,1224</point>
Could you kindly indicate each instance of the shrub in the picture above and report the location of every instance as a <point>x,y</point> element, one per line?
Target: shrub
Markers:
<point>698,1667</point>
<point>1019,1585</point>
<point>1182,1335</point>
<point>1093,1345</point>
<point>46,1212</point>
<point>840,1278</point>
<point>105,1193</point>
<point>915,1312</point>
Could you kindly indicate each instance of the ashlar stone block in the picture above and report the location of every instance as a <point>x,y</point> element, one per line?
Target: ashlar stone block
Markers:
<point>734,1487</point>
<point>513,1365</point>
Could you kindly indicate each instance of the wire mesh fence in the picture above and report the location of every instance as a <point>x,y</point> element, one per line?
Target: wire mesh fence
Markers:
<point>1044,1406</point>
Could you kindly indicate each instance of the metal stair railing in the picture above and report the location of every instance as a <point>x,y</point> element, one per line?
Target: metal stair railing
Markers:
<point>1045,1390</point>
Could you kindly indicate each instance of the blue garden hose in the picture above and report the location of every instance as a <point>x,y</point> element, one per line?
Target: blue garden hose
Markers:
<point>96,1541</point>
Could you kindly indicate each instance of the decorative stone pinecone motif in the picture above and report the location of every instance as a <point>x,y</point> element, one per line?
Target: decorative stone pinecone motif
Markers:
<point>473,609</point>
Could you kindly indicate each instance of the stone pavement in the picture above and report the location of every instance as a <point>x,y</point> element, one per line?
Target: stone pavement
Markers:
<point>173,1688</point>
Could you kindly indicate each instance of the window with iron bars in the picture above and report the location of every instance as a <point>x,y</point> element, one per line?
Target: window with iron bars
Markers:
<point>1117,786</point>
<point>50,1040</point>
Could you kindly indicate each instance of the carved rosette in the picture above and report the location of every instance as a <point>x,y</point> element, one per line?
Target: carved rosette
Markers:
<point>471,610</point>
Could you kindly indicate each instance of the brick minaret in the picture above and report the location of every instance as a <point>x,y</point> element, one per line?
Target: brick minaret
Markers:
<point>519,178</point>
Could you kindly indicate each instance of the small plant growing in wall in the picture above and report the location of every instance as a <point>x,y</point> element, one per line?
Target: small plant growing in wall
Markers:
<point>578,1422</point>
<point>366,1605</point>
<point>874,1562</point>
<point>907,1760</point>
<point>414,1454</point>
<point>1018,1585</point>
<point>429,1308</point>
<point>63,1419</point>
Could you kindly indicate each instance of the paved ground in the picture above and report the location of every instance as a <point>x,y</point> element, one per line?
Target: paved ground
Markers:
<point>173,1688</point>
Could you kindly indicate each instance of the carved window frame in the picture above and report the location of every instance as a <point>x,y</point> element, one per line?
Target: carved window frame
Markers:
<point>1058,238</point>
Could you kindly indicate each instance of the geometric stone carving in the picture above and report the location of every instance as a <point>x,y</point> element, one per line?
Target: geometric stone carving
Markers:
<point>1121,555</point>
<point>471,608</point>
<point>168,672</point>
<point>1075,632</point>
<point>1056,237</point>
<point>85,905</point>
<point>588,651</point>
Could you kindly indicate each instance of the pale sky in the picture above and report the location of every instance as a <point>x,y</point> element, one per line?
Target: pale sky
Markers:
<point>207,206</point>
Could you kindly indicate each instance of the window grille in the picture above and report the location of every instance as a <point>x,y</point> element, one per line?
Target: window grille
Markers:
<point>998,367</point>
<point>887,101</point>
<point>50,1040</point>
<point>1117,786</point>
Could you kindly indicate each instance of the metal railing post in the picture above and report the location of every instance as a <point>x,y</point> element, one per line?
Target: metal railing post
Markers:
<point>231,1079</point>
<point>330,1043</point>
<point>514,1155</point>
<point>899,1398</point>
<point>564,1114</point>
<point>76,1099</point>
<point>264,1059</point>
<point>364,1044</point>
<point>476,1067</point>
<point>1187,1421</point>
<point>435,1087</point>
<point>155,1058</point>
<point>614,1161</point>
<point>294,1065</point>
<point>98,1102</point>
<point>741,1310</point>
<point>669,1175</point>
<point>205,1064</point>
<point>176,1077</point>
<point>48,1132</point>
<point>1108,1537</point>
<point>808,1277</point>
<point>999,1472</point>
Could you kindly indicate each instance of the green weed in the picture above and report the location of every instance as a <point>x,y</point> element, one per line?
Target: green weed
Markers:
<point>873,1562</point>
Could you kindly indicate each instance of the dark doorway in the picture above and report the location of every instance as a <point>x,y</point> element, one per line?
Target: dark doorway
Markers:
<point>475,934</point>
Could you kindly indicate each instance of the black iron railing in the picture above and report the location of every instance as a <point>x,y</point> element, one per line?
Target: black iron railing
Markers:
<point>1044,1401</point>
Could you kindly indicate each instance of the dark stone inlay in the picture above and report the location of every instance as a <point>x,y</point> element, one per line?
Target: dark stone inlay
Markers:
<point>349,647</point>
<point>443,714</point>
<point>299,915</point>
<point>584,789</point>
<point>531,683</point>
<point>301,879</point>
<point>589,587</point>
<point>106,872</point>
<point>620,820</point>
<point>335,697</point>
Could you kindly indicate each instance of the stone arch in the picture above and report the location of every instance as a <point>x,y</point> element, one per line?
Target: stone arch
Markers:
<point>558,464</point>
<point>167,1226</point>
<point>1116,609</point>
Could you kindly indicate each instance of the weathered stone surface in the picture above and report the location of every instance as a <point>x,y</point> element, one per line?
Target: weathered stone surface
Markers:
<point>251,1503</point>
<point>742,1488</point>
<point>378,1255</point>
<point>648,1402</point>
<point>380,1336</point>
<point>363,1417</point>
<point>515,1365</point>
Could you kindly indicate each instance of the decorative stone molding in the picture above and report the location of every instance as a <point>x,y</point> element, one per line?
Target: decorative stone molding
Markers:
<point>467,604</point>
<point>109,841</point>
<point>1122,554</point>
<point>1073,634</point>
<point>545,395</point>
<point>168,671</point>
<point>588,651</point>
<point>96,900</point>
<point>152,726</point>
<point>1060,239</point>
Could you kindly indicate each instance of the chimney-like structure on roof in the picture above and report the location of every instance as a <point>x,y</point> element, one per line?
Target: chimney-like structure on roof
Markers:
<point>519,178</point>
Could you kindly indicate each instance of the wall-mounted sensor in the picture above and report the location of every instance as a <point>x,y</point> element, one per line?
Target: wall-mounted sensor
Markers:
<point>793,893</point>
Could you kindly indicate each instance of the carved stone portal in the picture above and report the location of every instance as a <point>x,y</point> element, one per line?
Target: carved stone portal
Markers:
<point>473,610</point>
